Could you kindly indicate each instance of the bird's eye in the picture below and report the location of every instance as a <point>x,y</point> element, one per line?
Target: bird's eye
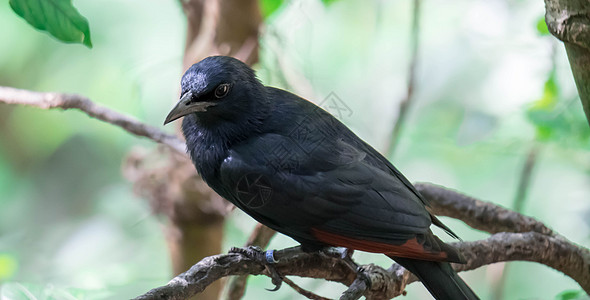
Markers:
<point>222,90</point>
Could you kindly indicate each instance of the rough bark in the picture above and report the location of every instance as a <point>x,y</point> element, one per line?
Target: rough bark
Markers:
<point>569,21</point>
<point>526,239</point>
<point>478,214</point>
<point>579,58</point>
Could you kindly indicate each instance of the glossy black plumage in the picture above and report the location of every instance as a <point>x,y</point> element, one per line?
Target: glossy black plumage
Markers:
<point>295,168</point>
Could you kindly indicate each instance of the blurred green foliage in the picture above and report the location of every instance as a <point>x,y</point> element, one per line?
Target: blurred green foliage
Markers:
<point>268,7</point>
<point>8,266</point>
<point>556,118</point>
<point>58,17</point>
<point>490,82</point>
<point>572,295</point>
<point>542,26</point>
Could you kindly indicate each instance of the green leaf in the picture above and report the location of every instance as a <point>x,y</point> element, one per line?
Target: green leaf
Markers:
<point>58,17</point>
<point>268,7</point>
<point>542,26</point>
<point>328,2</point>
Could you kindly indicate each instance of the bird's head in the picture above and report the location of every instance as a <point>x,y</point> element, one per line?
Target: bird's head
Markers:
<point>218,89</point>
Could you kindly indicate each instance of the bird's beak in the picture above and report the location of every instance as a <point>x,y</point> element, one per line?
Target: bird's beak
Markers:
<point>186,106</point>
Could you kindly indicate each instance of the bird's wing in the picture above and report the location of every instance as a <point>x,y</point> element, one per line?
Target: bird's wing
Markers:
<point>313,126</point>
<point>331,195</point>
<point>379,161</point>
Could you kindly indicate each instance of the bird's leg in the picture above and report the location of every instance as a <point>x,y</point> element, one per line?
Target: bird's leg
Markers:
<point>266,258</point>
<point>288,253</point>
<point>345,255</point>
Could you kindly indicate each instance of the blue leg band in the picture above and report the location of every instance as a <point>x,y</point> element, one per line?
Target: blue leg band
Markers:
<point>270,257</point>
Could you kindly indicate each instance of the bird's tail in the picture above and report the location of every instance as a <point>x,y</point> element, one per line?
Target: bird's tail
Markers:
<point>439,278</point>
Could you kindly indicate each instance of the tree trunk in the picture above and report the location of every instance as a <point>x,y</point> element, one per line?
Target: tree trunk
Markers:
<point>569,21</point>
<point>214,27</point>
<point>196,214</point>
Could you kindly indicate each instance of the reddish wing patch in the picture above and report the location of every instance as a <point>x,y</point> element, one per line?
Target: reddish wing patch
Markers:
<point>410,249</point>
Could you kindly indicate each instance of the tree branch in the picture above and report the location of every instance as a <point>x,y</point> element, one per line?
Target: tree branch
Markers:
<point>553,251</point>
<point>72,101</point>
<point>526,239</point>
<point>481,215</point>
<point>531,246</point>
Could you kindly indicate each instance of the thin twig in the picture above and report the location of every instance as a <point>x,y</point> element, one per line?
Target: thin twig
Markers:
<point>525,178</point>
<point>307,294</point>
<point>72,101</point>
<point>407,101</point>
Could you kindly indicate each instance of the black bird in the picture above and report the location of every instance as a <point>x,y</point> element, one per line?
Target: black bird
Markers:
<point>296,169</point>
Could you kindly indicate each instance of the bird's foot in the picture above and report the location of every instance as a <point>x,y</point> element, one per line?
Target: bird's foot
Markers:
<point>346,255</point>
<point>342,253</point>
<point>265,258</point>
